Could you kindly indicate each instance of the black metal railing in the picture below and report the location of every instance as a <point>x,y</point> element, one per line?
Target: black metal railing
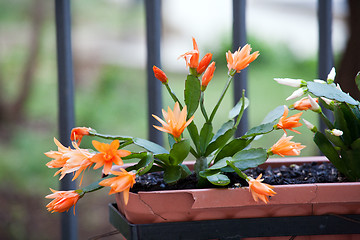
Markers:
<point>66,101</point>
<point>153,26</point>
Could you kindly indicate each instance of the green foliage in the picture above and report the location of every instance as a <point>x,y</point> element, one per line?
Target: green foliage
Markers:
<point>144,165</point>
<point>329,151</point>
<point>339,143</point>
<point>14,11</point>
<point>221,137</point>
<point>211,149</point>
<point>236,110</point>
<point>242,160</point>
<point>179,152</point>
<point>115,93</point>
<point>232,147</point>
<point>192,94</point>
<point>150,146</point>
<point>249,158</point>
<point>330,91</point>
<point>345,154</point>
<point>261,129</point>
<point>206,135</point>
<point>172,174</point>
<point>218,179</point>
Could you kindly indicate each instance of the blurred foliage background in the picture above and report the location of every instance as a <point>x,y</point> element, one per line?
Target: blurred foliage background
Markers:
<point>110,82</point>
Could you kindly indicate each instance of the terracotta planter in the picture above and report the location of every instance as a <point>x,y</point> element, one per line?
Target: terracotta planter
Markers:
<point>211,204</point>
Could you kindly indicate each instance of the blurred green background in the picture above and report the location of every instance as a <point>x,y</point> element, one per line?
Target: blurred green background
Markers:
<point>110,85</point>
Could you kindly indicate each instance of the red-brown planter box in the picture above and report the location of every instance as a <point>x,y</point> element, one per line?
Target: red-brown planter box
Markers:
<point>211,204</point>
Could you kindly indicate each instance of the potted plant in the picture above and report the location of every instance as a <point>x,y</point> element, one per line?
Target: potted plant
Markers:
<point>217,155</point>
<point>340,141</point>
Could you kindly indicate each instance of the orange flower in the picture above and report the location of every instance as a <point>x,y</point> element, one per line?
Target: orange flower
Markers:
<point>69,160</point>
<point>175,121</point>
<point>289,122</point>
<point>78,160</point>
<point>63,200</point>
<point>159,74</point>
<point>260,190</point>
<point>285,147</point>
<point>78,133</point>
<point>208,75</point>
<point>58,156</point>
<point>192,57</point>
<point>304,104</point>
<point>241,58</point>
<point>204,63</point>
<point>122,183</point>
<point>108,155</point>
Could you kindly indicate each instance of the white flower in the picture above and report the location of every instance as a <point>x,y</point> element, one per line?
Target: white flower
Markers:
<point>327,101</point>
<point>314,105</point>
<point>297,93</point>
<point>309,125</point>
<point>289,82</point>
<point>331,75</point>
<point>319,81</point>
<point>336,132</point>
<point>338,87</point>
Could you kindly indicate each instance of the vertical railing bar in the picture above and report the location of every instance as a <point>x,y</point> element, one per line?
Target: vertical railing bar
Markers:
<point>66,101</point>
<point>153,37</point>
<point>239,40</point>
<point>325,58</point>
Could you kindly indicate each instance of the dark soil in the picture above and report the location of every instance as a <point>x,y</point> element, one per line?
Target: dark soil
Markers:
<point>294,174</point>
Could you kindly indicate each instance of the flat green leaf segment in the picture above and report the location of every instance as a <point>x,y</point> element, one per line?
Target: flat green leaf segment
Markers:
<point>193,131</point>
<point>231,148</point>
<point>179,152</point>
<point>249,158</point>
<point>206,136</point>
<point>146,144</point>
<point>222,136</point>
<point>274,114</point>
<point>343,150</point>
<point>331,92</point>
<point>218,179</point>
<point>110,137</point>
<point>144,165</point>
<point>95,185</point>
<point>267,125</point>
<point>192,94</point>
<point>221,164</point>
<point>242,160</point>
<point>261,129</point>
<point>150,146</point>
<point>234,112</point>
<point>329,151</point>
<point>172,174</point>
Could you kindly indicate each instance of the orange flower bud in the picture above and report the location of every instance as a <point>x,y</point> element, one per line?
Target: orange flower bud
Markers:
<point>78,133</point>
<point>204,63</point>
<point>208,75</point>
<point>304,104</point>
<point>159,74</point>
<point>63,200</point>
